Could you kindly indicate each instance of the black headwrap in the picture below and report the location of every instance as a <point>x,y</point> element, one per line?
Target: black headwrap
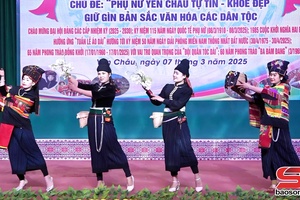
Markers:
<point>103,65</point>
<point>183,67</point>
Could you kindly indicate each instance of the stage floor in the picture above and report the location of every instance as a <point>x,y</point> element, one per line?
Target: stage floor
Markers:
<point>217,175</point>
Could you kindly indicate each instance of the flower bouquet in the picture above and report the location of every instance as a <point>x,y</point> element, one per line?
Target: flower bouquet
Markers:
<point>139,77</point>
<point>64,67</point>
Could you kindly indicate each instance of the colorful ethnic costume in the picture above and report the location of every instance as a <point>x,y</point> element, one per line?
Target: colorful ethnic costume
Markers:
<point>23,151</point>
<point>176,133</point>
<point>270,113</point>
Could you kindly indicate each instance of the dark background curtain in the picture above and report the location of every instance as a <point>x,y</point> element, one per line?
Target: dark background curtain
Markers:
<point>8,40</point>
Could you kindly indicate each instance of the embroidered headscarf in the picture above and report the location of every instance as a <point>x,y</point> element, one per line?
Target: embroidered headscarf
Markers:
<point>35,73</point>
<point>279,66</point>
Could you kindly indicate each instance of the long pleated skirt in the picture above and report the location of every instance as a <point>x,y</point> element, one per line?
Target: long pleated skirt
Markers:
<point>24,153</point>
<point>178,148</point>
<point>281,153</point>
<point>106,151</point>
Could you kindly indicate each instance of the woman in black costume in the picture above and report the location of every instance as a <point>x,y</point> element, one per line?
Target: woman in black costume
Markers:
<point>176,134</point>
<point>106,151</point>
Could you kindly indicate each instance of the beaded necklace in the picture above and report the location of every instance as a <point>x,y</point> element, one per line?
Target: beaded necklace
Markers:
<point>25,92</point>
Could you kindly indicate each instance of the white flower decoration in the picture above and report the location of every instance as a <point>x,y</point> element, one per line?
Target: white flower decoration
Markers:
<point>64,67</point>
<point>139,77</point>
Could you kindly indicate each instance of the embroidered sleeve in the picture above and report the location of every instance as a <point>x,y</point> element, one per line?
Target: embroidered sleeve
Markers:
<point>21,105</point>
<point>272,95</point>
<point>255,110</point>
<point>254,115</point>
<point>276,101</point>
